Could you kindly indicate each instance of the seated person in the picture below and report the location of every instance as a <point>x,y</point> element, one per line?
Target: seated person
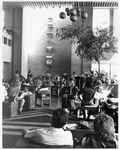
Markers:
<point>57,77</point>
<point>4,93</point>
<point>30,80</point>
<point>65,76</point>
<point>88,94</point>
<point>75,90</point>
<point>74,75</point>
<point>98,86</point>
<point>40,90</point>
<point>17,76</point>
<point>38,83</point>
<point>111,108</point>
<point>104,133</point>
<point>54,135</point>
<point>48,75</point>
<point>87,97</point>
<point>45,82</point>
<point>15,95</point>
<point>29,74</point>
<point>76,100</point>
<point>14,89</point>
<point>63,82</point>
<point>71,84</point>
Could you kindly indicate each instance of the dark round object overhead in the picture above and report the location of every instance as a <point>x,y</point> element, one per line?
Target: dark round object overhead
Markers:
<point>79,13</point>
<point>62,15</point>
<point>67,9</point>
<point>73,18</point>
<point>84,15</point>
<point>78,9</point>
<point>68,13</point>
<point>73,12</point>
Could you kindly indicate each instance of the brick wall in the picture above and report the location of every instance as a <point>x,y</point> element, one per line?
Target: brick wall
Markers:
<point>36,41</point>
<point>64,58</point>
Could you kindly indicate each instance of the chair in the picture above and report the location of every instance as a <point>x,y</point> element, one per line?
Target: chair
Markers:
<point>69,98</point>
<point>46,96</point>
<point>54,90</point>
<point>87,107</point>
<point>29,102</point>
<point>37,96</point>
<point>10,109</point>
<point>66,90</point>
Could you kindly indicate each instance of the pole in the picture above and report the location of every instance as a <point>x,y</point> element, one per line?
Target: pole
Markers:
<point>82,51</point>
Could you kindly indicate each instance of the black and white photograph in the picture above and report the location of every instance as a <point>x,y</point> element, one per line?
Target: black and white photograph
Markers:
<point>60,74</point>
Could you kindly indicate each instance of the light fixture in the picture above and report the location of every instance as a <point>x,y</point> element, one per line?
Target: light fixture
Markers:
<point>62,15</point>
<point>73,13</point>
<point>73,18</point>
<point>84,15</point>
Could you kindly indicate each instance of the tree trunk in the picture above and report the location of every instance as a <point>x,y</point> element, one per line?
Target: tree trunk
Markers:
<point>81,65</point>
<point>99,67</point>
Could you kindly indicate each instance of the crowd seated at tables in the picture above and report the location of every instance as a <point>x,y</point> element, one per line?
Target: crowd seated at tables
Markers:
<point>66,86</point>
<point>70,94</point>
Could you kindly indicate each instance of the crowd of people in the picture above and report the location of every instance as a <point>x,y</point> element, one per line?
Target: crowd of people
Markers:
<point>60,136</point>
<point>91,86</point>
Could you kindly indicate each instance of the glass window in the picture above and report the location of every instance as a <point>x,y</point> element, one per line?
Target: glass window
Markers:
<point>9,42</point>
<point>116,22</point>
<point>101,17</point>
<point>5,40</point>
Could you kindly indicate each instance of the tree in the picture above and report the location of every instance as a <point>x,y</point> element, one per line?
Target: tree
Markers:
<point>91,44</point>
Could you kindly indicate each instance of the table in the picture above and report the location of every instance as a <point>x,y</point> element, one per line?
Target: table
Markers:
<point>10,109</point>
<point>29,102</point>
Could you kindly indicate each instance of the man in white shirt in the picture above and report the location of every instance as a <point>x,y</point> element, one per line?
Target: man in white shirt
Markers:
<point>54,135</point>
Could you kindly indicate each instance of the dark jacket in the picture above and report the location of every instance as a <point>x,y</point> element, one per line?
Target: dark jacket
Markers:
<point>92,141</point>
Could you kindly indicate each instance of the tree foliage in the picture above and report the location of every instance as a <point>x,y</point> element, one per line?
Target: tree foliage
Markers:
<point>90,44</point>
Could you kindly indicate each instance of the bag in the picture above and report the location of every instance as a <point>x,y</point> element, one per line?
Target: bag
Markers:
<point>84,125</point>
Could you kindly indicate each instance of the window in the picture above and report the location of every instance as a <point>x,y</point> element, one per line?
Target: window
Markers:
<point>9,42</point>
<point>101,17</point>
<point>116,22</point>
<point>5,40</point>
